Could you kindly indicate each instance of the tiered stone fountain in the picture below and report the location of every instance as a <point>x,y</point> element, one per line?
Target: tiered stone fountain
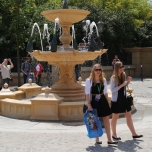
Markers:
<point>65,99</point>
<point>67,87</point>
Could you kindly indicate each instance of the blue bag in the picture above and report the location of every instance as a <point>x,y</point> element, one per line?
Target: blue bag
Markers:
<point>93,124</point>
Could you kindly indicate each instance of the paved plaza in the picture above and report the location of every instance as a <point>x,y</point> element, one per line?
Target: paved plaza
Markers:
<point>48,136</point>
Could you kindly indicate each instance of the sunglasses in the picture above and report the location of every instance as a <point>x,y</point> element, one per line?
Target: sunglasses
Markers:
<point>97,69</point>
<point>121,67</point>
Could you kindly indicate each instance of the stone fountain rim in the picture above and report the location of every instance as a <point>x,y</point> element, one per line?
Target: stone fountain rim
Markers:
<point>66,52</point>
<point>65,11</point>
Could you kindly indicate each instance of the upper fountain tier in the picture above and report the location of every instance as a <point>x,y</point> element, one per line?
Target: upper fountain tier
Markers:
<point>66,16</point>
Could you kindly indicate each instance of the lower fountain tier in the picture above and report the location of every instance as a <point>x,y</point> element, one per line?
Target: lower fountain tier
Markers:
<point>66,58</point>
<point>44,107</point>
<point>66,61</point>
<point>70,96</point>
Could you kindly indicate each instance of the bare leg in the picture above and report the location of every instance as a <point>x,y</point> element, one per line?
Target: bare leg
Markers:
<point>107,128</point>
<point>97,139</point>
<point>130,123</point>
<point>113,124</point>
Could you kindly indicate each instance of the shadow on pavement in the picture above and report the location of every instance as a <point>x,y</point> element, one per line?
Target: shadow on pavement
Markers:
<point>98,148</point>
<point>129,145</point>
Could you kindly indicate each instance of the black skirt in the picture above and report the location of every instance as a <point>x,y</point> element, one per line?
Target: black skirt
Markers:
<point>121,105</point>
<point>102,105</point>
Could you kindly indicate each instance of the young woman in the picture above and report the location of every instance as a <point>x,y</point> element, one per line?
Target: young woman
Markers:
<point>97,98</point>
<point>119,102</point>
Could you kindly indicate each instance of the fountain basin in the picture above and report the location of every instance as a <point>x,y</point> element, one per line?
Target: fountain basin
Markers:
<point>66,16</point>
<point>66,57</point>
<point>44,107</point>
<point>67,87</point>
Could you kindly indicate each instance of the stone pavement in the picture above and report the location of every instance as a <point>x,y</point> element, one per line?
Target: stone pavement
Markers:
<point>47,136</point>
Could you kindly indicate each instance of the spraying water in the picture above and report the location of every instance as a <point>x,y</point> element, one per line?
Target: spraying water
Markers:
<point>86,29</point>
<point>36,25</point>
<point>73,34</point>
<point>56,22</point>
<point>46,33</point>
<point>91,28</point>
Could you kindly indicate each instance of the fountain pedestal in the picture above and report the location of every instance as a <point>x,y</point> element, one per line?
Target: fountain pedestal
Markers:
<point>67,87</point>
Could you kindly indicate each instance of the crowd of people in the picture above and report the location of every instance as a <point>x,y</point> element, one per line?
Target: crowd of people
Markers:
<point>26,69</point>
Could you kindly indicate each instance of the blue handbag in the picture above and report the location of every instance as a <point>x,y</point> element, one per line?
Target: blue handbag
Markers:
<point>93,124</point>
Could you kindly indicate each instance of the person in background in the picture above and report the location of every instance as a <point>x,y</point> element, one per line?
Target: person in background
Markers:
<point>115,60</point>
<point>38,72</point>
<point>119,102</point>
<point>97,98</point>
<point>5,70</point>
<point>26,69</point>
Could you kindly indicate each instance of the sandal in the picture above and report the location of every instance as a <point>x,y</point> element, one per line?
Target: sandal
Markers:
<point>139,136</point>
<point>112,143</point>
<point>116,138</point>
<point>98,142</point>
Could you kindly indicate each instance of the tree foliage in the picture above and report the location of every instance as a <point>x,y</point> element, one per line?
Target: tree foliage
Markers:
<point>127,22</point>
<point>16,20</point>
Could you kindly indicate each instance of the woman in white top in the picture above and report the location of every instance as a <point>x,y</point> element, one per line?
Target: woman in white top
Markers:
<point>97,98</point>
<point>119,102</point>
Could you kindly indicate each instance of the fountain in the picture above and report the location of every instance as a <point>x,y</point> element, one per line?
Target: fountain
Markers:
<point>65,99</point>
<point>67,87</point>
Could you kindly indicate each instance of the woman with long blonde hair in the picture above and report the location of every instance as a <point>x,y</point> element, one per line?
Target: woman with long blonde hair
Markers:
<point>97,98</point>
<point>119,102</point>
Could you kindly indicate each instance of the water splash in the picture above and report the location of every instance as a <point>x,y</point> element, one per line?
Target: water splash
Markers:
<point>86,27</point>
<point>46,33</point>
<point>91,28</point>
<point>84,41</point>
<point>56,22</point>
<point>73,34</point>
<point>36,25</point>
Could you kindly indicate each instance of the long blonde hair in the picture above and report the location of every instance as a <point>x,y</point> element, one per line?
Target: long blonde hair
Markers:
<point>115,75</point>
<point>92,75</point>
